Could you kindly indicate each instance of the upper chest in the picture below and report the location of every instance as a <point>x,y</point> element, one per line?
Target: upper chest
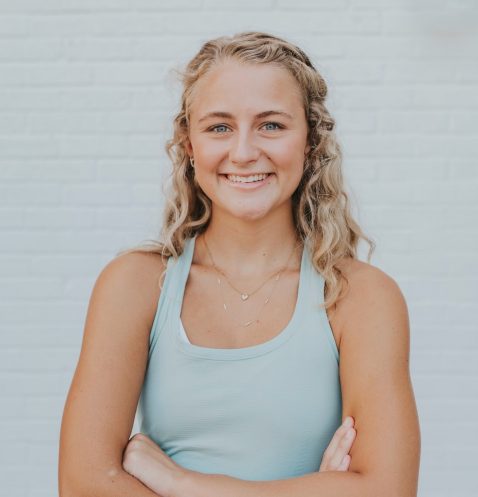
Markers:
<point>214,314</point>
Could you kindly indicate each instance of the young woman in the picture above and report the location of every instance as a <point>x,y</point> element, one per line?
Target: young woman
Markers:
<point>228,332</point>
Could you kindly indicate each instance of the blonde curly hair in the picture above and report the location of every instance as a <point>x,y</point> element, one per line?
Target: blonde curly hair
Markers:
<point>321,209</point>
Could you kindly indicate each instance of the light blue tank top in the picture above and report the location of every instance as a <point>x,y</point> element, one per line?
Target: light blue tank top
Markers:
<point>263,412</point>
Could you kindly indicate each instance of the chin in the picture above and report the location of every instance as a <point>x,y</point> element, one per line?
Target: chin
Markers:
<point>249,215</point>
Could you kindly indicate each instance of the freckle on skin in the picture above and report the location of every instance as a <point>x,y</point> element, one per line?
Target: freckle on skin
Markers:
<point>113,472</point>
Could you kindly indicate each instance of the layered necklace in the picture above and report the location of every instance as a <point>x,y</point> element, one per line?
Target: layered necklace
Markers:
<point>246,295</point>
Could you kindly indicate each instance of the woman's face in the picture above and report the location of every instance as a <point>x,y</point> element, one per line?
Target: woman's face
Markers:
<point>248,120</point>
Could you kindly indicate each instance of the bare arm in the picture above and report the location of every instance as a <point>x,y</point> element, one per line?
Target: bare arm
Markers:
<point>377,393</point>
<point>99,411</point>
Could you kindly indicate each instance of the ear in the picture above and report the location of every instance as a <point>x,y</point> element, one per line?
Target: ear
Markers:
<point>188,147</point>
<point>307,149</point>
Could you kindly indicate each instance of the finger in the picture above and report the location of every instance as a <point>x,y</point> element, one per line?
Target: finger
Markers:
<point>334,443</point>
<point>342,449</point>
<point>143,438</point>
<point>332,460</point>
<point>344,465</point>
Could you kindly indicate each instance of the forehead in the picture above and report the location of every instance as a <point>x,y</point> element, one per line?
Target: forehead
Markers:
<point>240,87</point>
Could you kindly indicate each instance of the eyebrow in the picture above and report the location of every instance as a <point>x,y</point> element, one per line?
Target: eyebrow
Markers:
<point>227,115</point>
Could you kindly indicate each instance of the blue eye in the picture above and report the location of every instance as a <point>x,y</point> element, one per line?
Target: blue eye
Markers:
<point>214,129</point>
<point>218,126</point>
<point>279,126</point>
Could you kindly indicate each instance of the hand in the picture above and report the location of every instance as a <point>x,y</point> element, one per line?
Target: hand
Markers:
<point>143,459</point>
<point>336,457</point>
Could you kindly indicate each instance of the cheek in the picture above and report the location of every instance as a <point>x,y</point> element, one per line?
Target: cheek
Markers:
<point>290,160</point>
<point>206,176</point>
<point>209,149</point>
<point>291,149</point>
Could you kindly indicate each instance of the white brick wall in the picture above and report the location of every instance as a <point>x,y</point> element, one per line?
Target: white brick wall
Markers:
<point>86,102</point>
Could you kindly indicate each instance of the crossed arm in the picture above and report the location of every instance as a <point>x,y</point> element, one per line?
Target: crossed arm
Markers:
<point>96,457</point>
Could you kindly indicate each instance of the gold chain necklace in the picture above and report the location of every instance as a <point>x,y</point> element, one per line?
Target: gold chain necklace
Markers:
<point>245,296</point>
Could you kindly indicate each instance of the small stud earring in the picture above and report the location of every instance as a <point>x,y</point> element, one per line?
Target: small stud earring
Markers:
<point>191,161</point>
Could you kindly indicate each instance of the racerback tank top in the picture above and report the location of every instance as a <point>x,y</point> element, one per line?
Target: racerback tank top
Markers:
<point>262,412</point>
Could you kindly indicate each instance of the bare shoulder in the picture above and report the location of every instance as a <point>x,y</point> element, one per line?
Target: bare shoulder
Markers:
<point>132,279</point>
<point>360,271</point>
<point>137,264</point>
<point>370,293</point>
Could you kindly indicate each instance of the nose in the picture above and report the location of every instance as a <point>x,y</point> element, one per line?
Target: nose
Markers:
<point>243,149</point>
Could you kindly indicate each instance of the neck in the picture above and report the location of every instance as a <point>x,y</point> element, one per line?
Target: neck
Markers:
<point>250,250</point>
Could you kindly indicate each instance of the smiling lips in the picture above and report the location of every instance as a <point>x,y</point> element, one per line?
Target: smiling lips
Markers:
<point>247,179</point>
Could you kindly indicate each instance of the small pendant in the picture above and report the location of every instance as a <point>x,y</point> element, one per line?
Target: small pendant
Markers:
<point>248,323</point>
<point>244,296</point>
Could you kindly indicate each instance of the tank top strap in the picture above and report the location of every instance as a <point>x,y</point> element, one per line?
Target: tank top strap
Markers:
<point>173,282</point>
<point>181,270</point>
<point>315,296</point>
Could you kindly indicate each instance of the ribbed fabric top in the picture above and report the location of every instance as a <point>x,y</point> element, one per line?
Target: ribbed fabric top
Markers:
<point>257,413</point>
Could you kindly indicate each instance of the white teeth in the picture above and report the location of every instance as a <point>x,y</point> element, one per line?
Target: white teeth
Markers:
<point>246,179</point>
